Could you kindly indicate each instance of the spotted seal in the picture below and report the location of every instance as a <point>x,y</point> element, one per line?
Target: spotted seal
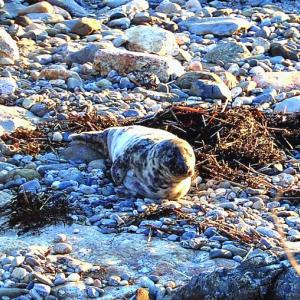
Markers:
<point>149,162</point>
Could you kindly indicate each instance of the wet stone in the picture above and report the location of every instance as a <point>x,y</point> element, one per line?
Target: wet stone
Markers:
<point>220,253</point>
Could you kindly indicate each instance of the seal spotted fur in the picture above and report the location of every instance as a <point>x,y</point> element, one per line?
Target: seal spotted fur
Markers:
<point>149,162</point>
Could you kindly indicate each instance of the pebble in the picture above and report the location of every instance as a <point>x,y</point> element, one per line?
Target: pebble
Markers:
<point>60,238</point>
<point>17,261</point>
<point>62,248</point>
<point>59,279</point>
<point>114,280</point>
<point>268,232</point>
<point>92,292</point>
<point>220,253</point>
<point>236,251</point>
<point>19,273</point>
<point>146,282</point>
<point>42,289</point>
<point>74,277</point>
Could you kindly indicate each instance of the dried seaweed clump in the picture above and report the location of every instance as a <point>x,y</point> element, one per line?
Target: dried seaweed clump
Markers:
<point>39,140</point>
<point>227,144</point>
<point>31,212</point>
<point>25,140</point>
<point>245,137</point>
<point>82,122</point>
<point>286,128</point>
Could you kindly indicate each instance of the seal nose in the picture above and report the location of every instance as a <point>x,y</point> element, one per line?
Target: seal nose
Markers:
<point>184,169</point>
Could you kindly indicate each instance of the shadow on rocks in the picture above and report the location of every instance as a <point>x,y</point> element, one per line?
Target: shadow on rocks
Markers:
<point>260,277</point>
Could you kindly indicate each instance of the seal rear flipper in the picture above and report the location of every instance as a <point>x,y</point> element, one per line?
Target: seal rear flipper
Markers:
<point>119,170</point>
<point>81,152</point>
<point>87,146</point>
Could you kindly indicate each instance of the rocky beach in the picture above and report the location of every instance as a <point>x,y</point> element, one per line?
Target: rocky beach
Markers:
<point>222,75</point>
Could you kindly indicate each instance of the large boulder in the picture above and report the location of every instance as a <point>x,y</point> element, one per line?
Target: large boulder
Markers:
<point>281,81</point>
<point>13,117</point>
<point>9,51</point>
<point>227,52</point>
<point>125,62</point>
<point>220,26</point>
<point>151,39</point>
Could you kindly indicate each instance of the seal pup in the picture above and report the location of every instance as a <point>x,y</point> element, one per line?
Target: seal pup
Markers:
<point>149,162</point>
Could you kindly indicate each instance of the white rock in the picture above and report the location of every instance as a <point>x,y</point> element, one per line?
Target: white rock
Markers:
<point>74,277</point>
<point>168,7</point>
<point>57,137</point>
<point>7,86</point>
<point>255,71</point>
<point>17,261</point>
<point>62,248</point>
<point>60,238</point>
<point>239,101</point>
<point>131,8</point>
<point>283,81</point>
<point>19,273</point>
<point>235,92</point>
<point>8,48</point>
<point>151,39</point>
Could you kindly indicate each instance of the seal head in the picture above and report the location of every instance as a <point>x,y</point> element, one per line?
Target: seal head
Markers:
<point>176,158</point>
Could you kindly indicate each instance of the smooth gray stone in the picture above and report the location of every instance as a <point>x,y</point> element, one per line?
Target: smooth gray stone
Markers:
<point>71,6</point>
<point>13,7</point>
<point>221,26</point>
<point>84,55</point>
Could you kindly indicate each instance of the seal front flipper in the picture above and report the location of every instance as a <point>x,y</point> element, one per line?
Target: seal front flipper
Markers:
<point>119,170</point>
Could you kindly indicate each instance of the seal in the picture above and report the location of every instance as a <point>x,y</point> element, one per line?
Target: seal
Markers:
<point>149,162</point>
